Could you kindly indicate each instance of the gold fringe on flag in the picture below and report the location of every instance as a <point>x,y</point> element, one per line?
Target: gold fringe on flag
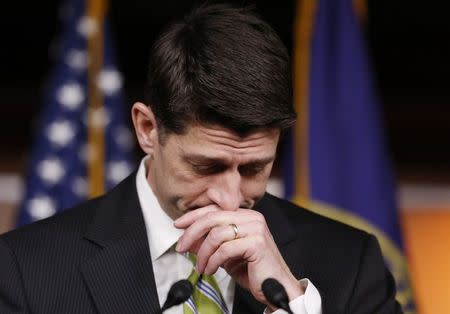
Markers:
<point>303,29</point>
<point>361,10</point>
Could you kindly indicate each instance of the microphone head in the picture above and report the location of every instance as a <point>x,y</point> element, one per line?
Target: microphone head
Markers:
<point>179,292</point>
<point>276,294</point>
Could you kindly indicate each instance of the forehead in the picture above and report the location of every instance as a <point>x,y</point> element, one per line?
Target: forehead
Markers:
<point>218,141</point>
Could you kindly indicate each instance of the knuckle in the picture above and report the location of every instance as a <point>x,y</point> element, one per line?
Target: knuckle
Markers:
<point>260,217</point>
<point>210,215</point>
<point>223,251</point>
<point>214,236</point>
<point>260,228</point>
<point>259,241</point>
<point>187,234</point>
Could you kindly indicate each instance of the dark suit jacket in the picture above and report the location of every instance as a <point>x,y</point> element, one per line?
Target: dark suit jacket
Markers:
<point>95,258</point>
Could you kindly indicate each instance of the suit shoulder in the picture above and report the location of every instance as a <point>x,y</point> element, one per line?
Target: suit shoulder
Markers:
<point>314,223</point>
<point>72,221</point>
<point>69,226</point>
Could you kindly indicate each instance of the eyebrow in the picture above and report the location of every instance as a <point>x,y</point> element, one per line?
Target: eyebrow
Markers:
<point>201,159</point>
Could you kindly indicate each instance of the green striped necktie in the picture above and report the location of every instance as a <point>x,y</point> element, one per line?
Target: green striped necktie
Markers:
<point>206,297</point>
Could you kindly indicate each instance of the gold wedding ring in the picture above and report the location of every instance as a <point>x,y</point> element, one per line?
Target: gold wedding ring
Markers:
<point>235,229</point>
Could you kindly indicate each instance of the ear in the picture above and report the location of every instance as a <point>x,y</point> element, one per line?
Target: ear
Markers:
<point>145,126</point>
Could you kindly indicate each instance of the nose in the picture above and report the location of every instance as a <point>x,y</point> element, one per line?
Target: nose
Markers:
<point>225,191</point>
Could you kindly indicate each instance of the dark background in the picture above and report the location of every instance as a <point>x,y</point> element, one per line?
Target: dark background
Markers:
<point>409,46</point>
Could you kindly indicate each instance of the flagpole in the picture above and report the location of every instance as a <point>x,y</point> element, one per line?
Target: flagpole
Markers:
<point>96,117</point>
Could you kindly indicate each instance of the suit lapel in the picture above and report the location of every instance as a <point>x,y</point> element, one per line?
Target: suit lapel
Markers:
<point>287,235</point>
<point>245,303</point>
<point>120,277</point>
<point>285,238</point>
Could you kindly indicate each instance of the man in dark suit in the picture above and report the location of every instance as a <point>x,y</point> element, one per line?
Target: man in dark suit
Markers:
<point>218,97</point>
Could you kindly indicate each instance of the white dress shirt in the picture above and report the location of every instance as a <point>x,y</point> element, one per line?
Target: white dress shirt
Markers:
<point>170,266</point>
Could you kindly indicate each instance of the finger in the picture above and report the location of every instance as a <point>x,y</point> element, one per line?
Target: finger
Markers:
<point>221,234</point>
<point>237,268</point>
<point>187,219</point>
<point>233,263</point>
<point>238,248</point>
<point>213,240</point>
<point>204,224</point>
<point>256,236</point>
<point>195,246</point>
<point>192,216</point>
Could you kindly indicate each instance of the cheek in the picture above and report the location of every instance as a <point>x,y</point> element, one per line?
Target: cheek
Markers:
<point>187,186</point>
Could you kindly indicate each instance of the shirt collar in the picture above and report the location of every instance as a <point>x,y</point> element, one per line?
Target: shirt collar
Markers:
<point>161,233</point>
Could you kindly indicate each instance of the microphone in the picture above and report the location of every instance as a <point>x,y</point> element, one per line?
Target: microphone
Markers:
<point>276,294</point>
<point>179,292</point>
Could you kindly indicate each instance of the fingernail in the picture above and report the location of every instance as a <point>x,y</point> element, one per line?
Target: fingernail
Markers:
<point>178,247</point>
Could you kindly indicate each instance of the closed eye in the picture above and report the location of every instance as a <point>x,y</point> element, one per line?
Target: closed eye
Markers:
<point>250,170</point>
<point>208,169</point>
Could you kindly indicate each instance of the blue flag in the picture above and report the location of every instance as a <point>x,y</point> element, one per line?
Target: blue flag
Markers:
<point>339,154</point>
<point>57,175</point>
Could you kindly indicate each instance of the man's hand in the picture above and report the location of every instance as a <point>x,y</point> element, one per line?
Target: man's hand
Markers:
<point>250,258</point>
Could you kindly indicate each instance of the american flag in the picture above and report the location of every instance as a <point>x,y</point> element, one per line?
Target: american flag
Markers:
<point>58,176</point>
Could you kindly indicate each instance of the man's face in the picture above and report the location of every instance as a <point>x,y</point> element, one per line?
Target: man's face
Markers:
<point>211,165</point>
